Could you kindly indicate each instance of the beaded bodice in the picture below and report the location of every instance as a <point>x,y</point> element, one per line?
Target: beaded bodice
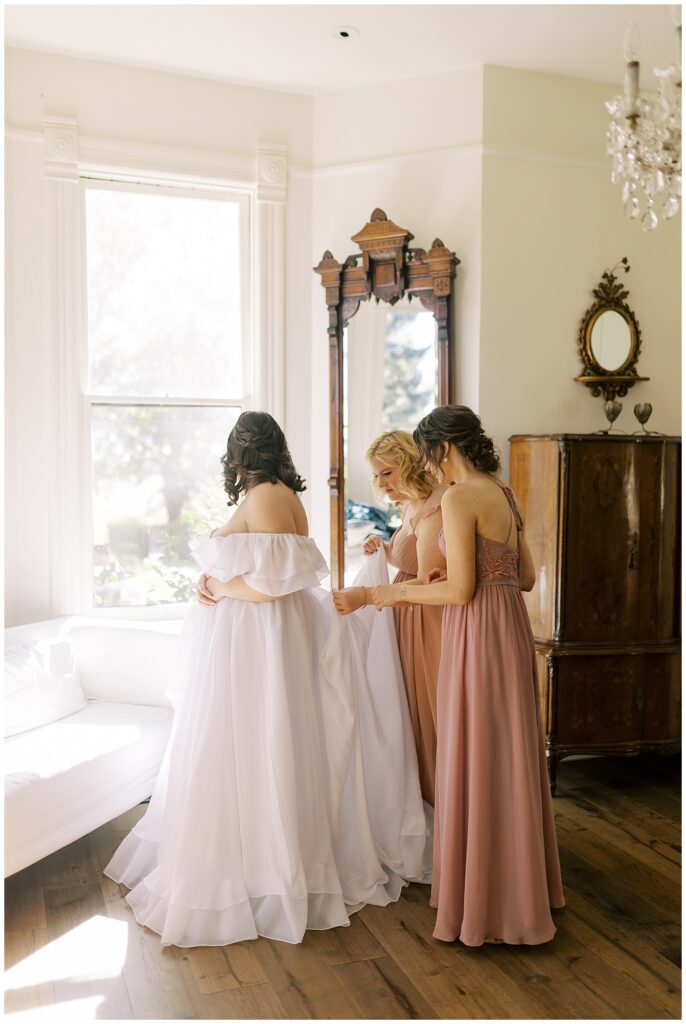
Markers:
<point>496,562</point>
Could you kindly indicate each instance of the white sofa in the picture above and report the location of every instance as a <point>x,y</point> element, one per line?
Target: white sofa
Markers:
<point>88,714</point>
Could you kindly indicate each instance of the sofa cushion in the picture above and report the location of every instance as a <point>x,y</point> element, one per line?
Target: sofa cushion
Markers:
<point>129,662</point>
<point>69,777</point>
<point>41,684</point>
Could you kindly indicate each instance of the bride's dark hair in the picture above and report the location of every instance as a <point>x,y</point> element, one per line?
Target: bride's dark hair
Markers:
<point>457,425</point>
<point>257,453</point>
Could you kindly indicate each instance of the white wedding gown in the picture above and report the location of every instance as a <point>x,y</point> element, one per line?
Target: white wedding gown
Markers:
<point>288,796</point>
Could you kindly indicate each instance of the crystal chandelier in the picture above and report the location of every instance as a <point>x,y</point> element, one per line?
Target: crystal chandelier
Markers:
<point>644,137</point>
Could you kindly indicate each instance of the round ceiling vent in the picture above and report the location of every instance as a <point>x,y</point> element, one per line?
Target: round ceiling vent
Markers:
<point>345,32</point>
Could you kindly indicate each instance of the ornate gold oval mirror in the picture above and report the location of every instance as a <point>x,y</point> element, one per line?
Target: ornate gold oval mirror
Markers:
<point>389,365</point>
<point>610,339</point>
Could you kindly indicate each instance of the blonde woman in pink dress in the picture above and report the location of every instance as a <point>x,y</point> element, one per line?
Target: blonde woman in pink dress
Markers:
<point>496,870</point>
<point>413,550</point>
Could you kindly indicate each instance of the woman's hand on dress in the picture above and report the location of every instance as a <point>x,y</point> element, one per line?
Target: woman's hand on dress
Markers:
<point>435,576</point>
<point>215,588</point>
<point>371,544</point>
<point>203,593</point>
<point>385,596</point>
<point>349,600</point>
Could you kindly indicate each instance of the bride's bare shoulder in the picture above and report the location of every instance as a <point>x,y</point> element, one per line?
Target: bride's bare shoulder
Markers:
<point>267,495</point>
<point>275,508</point>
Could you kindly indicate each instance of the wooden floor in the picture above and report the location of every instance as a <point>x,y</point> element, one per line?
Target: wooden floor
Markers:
<point>616,953</point>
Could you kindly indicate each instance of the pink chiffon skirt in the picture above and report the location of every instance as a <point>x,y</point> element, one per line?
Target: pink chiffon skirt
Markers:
<point>496,870</point>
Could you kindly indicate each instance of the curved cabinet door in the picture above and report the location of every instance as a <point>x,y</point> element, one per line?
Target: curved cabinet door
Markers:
<point>601,582</point>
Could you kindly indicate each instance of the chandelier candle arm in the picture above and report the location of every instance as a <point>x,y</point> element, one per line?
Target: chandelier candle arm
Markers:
<point>644,137</point>
<point>632,69</point>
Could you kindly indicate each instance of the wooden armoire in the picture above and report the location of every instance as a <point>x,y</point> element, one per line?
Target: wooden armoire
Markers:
<point>602,517</point>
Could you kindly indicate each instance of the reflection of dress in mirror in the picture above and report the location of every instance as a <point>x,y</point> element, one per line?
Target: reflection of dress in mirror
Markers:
<point>413,550</point>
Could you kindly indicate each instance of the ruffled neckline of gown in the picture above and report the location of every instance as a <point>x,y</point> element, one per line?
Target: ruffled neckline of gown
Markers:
<point>273,563</point>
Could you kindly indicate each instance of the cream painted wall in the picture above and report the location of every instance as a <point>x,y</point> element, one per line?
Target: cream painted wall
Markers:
<point>411,116</point>
<point>154,107</point>
<point>552,223</point>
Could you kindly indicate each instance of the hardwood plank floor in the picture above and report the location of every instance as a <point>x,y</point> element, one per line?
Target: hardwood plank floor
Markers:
<point>72,943</point>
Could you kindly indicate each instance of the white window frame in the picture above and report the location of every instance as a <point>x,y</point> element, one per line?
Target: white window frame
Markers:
<point>88,399</point>
<point>262,180</point>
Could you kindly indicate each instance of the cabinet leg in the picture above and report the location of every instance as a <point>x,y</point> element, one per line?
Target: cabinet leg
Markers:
<point>552,772</point>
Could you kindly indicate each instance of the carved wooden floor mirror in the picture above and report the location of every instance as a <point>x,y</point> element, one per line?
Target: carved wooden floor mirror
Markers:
<point>388,368</point>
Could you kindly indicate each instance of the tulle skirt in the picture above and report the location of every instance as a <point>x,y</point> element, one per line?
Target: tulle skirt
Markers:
<point>274,810</point>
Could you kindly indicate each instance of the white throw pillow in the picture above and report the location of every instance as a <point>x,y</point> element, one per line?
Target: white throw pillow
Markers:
<point>134,664</point>
<point>41,685</point>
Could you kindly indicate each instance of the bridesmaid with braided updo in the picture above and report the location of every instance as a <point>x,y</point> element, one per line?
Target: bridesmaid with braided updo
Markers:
<point>496,870</point>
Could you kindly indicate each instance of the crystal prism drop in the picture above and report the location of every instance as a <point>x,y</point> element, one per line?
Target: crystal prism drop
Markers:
<point>671,207</point>
<point>649,220</point>
<point>631,208</point>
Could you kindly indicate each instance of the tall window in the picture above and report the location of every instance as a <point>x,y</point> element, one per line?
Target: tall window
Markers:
<point>168,374</point>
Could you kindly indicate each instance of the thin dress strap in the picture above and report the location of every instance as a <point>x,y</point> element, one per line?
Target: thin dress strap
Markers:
<point>518,521</point>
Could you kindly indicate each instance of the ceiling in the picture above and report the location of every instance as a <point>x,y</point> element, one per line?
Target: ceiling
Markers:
<point>293,47</point>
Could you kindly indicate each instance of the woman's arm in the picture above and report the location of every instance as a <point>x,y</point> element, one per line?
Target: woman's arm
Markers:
<point>527,569</point>
<point>237,587</point>
<point>429,554</point>
<point>459,529</point>
<point>350,599</point>
<point>232,525</point>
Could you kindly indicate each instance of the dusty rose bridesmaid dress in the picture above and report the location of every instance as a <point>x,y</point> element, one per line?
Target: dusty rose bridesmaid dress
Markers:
<point>418,628</point>
<point>496,870</point>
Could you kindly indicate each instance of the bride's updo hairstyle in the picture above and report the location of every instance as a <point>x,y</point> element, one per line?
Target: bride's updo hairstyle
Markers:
<point>257,453</point>
<point>457,425</point>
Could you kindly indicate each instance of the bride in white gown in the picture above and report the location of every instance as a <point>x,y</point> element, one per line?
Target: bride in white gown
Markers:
<point>288,796</point>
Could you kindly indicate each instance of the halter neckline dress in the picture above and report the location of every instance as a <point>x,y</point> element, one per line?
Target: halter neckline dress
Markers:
<point>496,869</point>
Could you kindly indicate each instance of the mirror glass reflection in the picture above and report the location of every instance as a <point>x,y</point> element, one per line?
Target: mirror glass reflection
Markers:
<point>611,340</point>
<point>390,372</point>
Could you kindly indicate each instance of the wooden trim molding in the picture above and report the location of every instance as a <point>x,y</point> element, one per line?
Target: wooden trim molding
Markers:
<point>270,269</point>
<point>69,531</point>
